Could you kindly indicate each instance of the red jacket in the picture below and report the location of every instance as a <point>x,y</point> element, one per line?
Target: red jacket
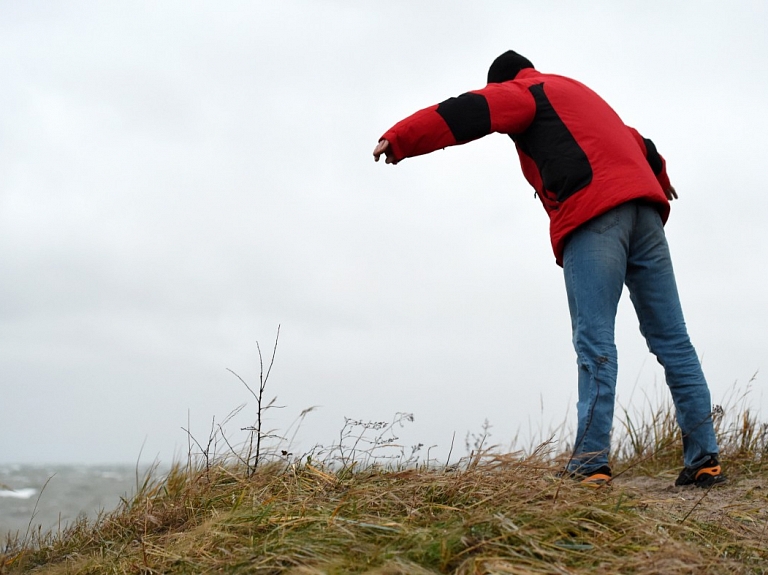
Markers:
<point>574,150</point>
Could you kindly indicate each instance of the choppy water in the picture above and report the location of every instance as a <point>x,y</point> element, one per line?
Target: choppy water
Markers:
<point>51,496</point>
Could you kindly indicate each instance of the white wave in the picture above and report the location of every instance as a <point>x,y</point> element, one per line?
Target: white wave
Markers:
<point>25,493</point>
<point>111,475</point>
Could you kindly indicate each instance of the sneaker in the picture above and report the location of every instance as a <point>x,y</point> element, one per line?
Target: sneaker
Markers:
<point>705,475</point>
<point>597,478</point>
<point>600,477</point>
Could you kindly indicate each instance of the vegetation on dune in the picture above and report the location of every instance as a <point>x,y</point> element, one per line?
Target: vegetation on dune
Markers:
<point>491,513</point>
<point>352,509</point>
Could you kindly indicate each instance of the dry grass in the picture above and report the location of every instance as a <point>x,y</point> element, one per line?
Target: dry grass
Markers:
<point>491,514</point>
<point>351,512</point>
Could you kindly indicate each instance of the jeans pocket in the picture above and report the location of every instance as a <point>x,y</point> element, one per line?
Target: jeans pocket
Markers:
<point>602,223</point>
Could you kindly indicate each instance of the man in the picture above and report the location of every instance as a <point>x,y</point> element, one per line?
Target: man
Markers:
<point>607,193</point>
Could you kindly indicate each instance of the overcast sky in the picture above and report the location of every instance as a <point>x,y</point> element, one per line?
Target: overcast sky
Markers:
<point>177,179</point>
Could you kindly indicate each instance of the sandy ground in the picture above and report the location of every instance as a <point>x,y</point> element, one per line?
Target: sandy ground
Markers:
<point>741,502</point>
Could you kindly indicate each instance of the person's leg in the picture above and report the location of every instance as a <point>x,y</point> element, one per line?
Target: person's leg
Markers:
<point>594,266</point>
<point>653,290</point>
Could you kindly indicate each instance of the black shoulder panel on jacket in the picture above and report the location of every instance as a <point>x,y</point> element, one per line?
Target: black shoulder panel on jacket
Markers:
<point>653,157</point>
<point>468,116</point>
<point>563,165</point>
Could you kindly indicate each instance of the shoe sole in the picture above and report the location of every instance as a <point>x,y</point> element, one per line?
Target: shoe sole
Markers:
<point>596,481</point>
<point>710,480</point>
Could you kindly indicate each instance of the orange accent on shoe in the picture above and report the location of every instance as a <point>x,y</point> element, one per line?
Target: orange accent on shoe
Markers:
<point>596,480</point>
<point>709,471</point>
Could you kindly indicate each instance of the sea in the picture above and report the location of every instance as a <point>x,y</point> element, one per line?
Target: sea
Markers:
<point>49,497</point>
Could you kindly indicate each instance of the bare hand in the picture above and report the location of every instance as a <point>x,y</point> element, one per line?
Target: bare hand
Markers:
<point>671,193</point>
<point>383,147</point>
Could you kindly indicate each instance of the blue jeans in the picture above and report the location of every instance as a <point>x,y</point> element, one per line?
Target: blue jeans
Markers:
<point>627,245</point>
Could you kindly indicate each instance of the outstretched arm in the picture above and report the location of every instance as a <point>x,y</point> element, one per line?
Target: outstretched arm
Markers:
<point>505,108</point>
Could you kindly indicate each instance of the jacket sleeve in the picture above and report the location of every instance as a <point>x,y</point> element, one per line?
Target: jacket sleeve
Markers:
<point>655,160</point>
<point>506,108</point>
